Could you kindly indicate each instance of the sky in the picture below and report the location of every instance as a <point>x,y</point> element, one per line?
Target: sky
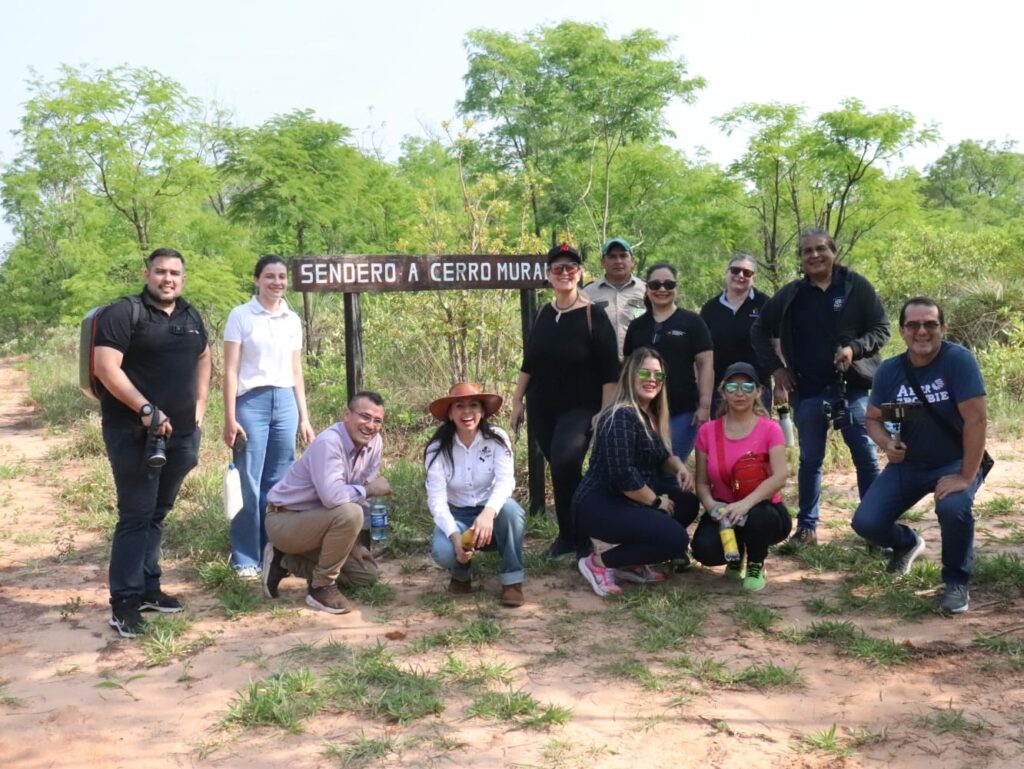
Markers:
<point>394,68</point>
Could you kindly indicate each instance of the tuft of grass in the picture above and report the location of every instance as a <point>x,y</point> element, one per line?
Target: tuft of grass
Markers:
<point>455,670</point>
<point>14,470</point>
<point>478,632</point>
<point>852,642</point>
<point>520,707</point>
<point>705,669</point>
<point>951,720</point>
<point>858,736</point>
<point>632,669</point>
<point>755,616</point>
<point>668,618</point>
<point>377,594</point>
<point>1002,573</point>
<point>162,642</point>
<point>309,652</point>
<point>822,607</point>
<point>771,676</point>
<point>827,741</point>
<point>998,506</point>
<point>541,526</point>
<point>282,700</point>
<point>8,700</point>
<point>363,750</point>
<point>236,596</point>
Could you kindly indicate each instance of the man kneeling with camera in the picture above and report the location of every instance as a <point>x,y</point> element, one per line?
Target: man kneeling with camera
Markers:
<point>927,412</point>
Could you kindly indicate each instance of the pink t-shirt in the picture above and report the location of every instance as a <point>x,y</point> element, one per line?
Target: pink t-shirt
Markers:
<point>766,434</point>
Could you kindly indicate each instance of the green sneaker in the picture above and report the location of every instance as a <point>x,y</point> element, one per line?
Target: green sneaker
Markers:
<point>755,577</point>
<point>734,570</point>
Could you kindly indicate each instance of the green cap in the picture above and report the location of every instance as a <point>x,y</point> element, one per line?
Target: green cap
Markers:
<point>616,241</point>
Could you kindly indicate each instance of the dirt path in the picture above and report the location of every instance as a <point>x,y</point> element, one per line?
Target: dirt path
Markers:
<point>74,695</point>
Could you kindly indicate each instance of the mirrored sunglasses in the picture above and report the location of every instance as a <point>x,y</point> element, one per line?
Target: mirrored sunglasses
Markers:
<point>645,374</point>
<point>657,285</point>
<point>564,269</point>
<point>735,387</point>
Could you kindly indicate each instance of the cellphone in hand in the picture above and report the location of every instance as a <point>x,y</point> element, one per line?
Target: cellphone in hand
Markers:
<point>240,443</point>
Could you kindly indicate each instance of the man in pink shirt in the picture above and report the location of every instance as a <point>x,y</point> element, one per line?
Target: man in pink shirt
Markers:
<point>316,513</point>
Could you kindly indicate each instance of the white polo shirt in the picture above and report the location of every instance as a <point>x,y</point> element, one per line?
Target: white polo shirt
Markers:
<point>267,341</point>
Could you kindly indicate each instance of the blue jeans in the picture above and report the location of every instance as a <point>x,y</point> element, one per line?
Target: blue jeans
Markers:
<point>507,539</point>
<point>145,496</point>
<point>270,419</point>
<point>683,432</point>
<point>899,488</point>
<point>813,431</point>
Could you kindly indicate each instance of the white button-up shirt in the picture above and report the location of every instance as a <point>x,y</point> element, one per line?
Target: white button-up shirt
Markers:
<point>479,474</point>
<point>268,341</point>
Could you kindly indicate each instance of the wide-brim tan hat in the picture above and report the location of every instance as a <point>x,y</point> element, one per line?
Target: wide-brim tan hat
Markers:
<point>465,391</point>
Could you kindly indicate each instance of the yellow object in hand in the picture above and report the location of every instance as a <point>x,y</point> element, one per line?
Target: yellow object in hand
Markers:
<point>468,539</point>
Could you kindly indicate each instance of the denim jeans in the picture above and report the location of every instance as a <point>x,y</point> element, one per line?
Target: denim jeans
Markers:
<point>683,432</point>
<point>900,487</point>
<point>813,431</point>
<point>507,539</point>
<point>270,419</point>
<point>145,496</point>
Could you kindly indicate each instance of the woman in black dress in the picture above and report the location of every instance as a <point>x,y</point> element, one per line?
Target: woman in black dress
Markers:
<point>569,369</point>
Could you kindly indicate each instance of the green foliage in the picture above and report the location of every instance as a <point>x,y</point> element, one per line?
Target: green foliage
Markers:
<point>283,700</point>
<point>520,707</point>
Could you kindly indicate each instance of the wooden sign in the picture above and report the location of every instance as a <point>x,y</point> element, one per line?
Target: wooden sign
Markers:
<point>361,273</point>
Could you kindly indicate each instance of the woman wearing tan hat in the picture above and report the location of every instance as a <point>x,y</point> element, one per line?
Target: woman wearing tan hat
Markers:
<point>470,478</point>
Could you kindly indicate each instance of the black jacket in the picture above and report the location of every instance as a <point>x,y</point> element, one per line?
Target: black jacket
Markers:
<point>862,325</point>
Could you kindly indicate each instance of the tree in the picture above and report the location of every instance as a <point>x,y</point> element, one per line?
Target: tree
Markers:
<point>982,183</point>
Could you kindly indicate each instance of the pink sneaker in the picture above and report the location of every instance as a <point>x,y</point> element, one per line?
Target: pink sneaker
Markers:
<point>640,575</point>
<point>600,578</point>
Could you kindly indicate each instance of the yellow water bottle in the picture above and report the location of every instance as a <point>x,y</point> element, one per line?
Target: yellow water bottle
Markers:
<point>728,536</point>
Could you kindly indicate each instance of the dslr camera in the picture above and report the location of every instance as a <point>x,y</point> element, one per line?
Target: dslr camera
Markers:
<point>837,411</point>
<point>156,445</point>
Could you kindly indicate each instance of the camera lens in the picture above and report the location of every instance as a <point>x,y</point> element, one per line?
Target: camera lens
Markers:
<point>158,453</point>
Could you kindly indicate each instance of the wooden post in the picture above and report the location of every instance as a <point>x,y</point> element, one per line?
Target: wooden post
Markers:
<point>353,345</point>
<point>534,457</point>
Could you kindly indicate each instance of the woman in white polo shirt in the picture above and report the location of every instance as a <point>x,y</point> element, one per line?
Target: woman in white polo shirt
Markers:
<point>470,478</point>
<point>264,403</point>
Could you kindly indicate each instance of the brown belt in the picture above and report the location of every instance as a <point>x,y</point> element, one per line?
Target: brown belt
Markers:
<point>272,508</point>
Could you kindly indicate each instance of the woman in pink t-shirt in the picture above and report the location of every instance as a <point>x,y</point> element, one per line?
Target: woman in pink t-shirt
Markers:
<point>759,519</point>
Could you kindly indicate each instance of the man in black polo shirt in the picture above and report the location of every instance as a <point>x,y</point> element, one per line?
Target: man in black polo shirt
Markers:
<point>153,366</point>
<point>828,321</point>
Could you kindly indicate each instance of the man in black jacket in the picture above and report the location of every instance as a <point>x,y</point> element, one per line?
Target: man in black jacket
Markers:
<point>830,326</point>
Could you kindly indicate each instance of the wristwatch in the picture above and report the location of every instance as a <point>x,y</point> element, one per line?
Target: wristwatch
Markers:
<point>146,410</point>
<point>656,503</point>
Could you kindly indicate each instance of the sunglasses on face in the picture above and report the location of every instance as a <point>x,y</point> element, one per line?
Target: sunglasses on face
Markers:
<point>657,285</point>
<point>564,269</point>
<point>917,325</point>
<point>741,271</point>
<point>734,387</point>
<point>645,374</point>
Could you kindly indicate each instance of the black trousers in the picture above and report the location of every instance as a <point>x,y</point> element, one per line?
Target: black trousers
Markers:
<point>767,524</point>
<point>563,438</point>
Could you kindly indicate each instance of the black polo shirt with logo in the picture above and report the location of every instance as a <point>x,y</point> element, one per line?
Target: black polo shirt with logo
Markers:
<point>679,338</point>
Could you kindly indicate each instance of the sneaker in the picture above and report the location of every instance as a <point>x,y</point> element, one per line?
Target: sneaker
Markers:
<point>901,560</point>
<point>955,599</point>
<point>248,573</point>
<point>754,580</point>
<point>329,599</point>
<point>561,547</point>
<point>512,595</point>
<point>734,570</point>
<point>460,586</point>
<point>601,578</point>
<point>160,601</point>
<point>639,575</point>
<point>125,617</point>
<point>805,537</point>
<point>273,571</point>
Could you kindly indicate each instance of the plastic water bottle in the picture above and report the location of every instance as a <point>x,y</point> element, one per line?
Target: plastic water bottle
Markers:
<point>380,531</point>
<point>232,492</point>
<point>786,423</point>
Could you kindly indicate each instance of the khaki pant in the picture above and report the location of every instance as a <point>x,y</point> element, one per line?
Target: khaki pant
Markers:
<point>321,545</point>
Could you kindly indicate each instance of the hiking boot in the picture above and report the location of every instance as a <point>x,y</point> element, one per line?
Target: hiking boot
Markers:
<point>125,617</point>
<point>734,570</point>
<point>754,580</point>
<point>601,578</point>
<point>901,560</point>
<point>805,537</point>
<point>329,599</point>
<point>639,575</point>
<point>512,595</point>
<point>955,599</point>
<point>460,587</point>
<point>160,601</point>
<point>273,571</point>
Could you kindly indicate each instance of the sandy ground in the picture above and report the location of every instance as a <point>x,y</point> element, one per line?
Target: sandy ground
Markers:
<point>75,695</point>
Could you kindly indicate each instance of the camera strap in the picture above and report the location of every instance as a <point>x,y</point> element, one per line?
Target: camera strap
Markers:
<point>950,429</point>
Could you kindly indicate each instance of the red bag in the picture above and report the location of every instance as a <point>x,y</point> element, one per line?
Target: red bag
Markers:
<point>749,471</point>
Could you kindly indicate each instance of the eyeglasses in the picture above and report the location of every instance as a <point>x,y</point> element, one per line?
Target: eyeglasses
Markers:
<point>741,271</point>
<point>563,269</point>
<point>643,374</point>
<point>734,387</point>
<point>657,285</point>
<point>375,421</point>
<point>917,325</point>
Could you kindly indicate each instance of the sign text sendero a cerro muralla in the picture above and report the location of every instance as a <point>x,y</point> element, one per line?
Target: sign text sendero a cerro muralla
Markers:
<point>358,273</point>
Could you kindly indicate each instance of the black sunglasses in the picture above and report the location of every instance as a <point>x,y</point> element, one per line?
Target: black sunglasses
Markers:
<point>657,285</point>
<point>742,271</point>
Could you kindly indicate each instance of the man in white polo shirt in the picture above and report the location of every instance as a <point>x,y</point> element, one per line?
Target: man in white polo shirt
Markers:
<point>618,292</point>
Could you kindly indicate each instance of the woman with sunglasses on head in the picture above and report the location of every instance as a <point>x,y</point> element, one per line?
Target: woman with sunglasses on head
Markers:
<point>636,493</point>
<point>759,519</point>
<point>264,403</point>
<point>729,317</point>
<point>685,343</point>
<point>569,369</point>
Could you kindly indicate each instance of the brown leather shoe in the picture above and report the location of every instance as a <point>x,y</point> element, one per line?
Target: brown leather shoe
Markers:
<point>805,537</point>
<point>458,587</point>
<point>328,598</point>
<point>512,595</point>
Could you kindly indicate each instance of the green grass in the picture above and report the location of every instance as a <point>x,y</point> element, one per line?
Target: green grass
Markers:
<point>478,632</point>
<point>755,616</point>
<point>852,642</point>
<point>15,470</point>
<point>377,594</point>
<point>951,720</point>
<point>822,607</point>
<point>235,595</point>
<point>668,618</point>
<point>283,700</point>
<point>519,707</point>
<point>827,741</point>
<point>770,676</point>
<point>998,506</point>
<point>705,669</point>
<point>373,682</point>
<point>162,642</point>
<point>363,751</point>
<point>1011,648</point>
<point>1002,574</point>
<point>456,671</point>
<point>632,669</point>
